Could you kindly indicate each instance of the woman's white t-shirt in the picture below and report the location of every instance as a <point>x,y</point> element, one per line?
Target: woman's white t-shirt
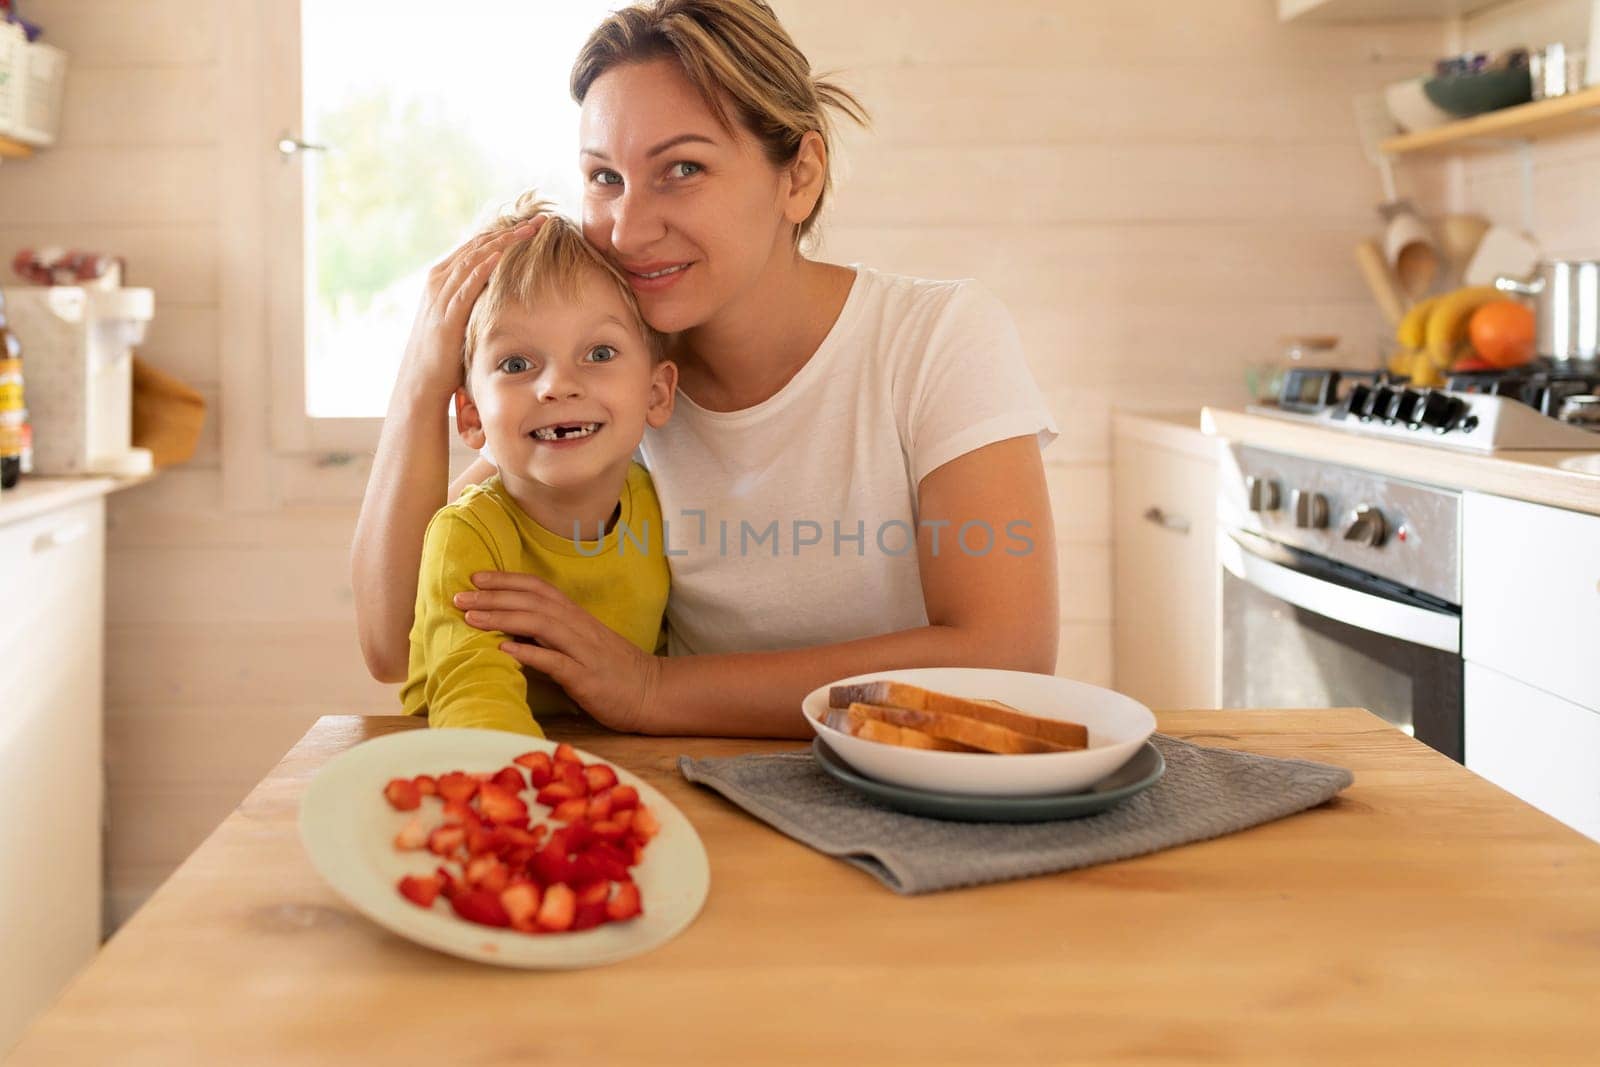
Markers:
<point>792,523</point>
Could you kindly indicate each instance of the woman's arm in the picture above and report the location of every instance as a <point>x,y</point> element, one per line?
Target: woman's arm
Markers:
<point>412,463</point>
<point>995,610</point>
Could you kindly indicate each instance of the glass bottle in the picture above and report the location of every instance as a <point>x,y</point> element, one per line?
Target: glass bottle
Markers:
<point>14,429</point>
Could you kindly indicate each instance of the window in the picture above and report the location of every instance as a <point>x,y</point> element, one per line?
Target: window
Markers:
<point>432,117</point>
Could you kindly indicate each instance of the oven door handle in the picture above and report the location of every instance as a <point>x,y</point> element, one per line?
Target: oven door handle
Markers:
<point>1365,611</point>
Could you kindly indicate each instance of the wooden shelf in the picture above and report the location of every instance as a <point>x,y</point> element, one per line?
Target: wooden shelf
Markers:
<point>1525,122</point>
<point>10,149</point>
<point>1336,11</point>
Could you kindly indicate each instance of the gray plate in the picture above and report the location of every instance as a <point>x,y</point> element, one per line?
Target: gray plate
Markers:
<point>1138,774</point>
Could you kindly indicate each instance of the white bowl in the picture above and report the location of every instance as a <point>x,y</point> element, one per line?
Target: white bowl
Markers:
<point>1410,107</point>
<point>1118,726</point>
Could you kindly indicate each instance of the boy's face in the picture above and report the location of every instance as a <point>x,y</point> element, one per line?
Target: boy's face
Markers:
<point>561,391</point>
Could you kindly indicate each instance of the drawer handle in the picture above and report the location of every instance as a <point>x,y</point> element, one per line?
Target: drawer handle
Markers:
<point>1175,523</point>
<point>60,538</point>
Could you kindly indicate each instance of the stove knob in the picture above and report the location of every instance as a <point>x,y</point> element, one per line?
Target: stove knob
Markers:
<point>1439,410</point>
<point>1378,406</point>
<point>1368,526</point>
<point>1404,407</point>
<point>1356,402</point>
<point>1310,509</point>
<point>1263,493</point>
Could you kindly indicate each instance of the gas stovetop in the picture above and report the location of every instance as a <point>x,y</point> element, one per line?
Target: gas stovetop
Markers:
<point>1478,412</point>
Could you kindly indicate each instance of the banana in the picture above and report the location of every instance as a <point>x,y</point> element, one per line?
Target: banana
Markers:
<point>1424,373</point>
<point>1413,328</point>
<point>1447,322</point>
<point>1400,361</point>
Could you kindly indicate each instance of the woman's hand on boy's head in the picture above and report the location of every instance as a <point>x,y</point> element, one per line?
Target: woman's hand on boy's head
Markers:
<point>608,676</point>
<point>433,351</point>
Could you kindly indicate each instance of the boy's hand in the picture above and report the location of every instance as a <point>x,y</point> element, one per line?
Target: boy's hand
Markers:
<point>433,351</point>
<point>607,675</point>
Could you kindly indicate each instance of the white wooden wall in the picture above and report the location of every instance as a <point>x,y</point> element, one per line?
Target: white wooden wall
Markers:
<point>1157,190</point>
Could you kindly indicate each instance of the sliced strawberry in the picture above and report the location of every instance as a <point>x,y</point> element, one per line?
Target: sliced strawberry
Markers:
<point>588,916</point>
<point>457,786</point>
<point>625,903</point>
<point>578,836</point>
<point>427,785</point>
<point>421,890</point>
<point>451,885</point>
<point>413,835</point>
<point>645,826</point>
<point>572,777</point>
<point>623,819</point>
<point>502,805</point>
<point>541,768</point>
<point>480,776</point>
<point>486,872</point>
<point>558,908</point>
<point>483,840</point>
<point>593,893</point>
<point>570,810</point>
<point>565,753</point>
<point>602,861</point>
<point>599,777</point>
<point>599,807</point>
<point>555,793</point>
<point>480,906</point>
<point>521,902</point>
<point>608,830</point>
<point>510,779</point>
<point>446,840</point>
<point>624,797</point>
<point>403,794</point>
<point>550,864</point>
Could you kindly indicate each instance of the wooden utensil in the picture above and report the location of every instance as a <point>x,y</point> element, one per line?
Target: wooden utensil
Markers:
<point>1385,290</point>
<point>1459,236</point>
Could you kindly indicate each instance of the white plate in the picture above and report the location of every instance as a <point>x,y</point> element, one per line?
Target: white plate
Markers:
<point>1118,726</point>
<point>348,828</point>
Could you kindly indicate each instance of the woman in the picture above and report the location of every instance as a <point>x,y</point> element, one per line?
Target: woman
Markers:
<point>851,479</point>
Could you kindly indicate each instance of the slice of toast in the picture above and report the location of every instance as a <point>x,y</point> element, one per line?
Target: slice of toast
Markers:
<point>870,729</point>
<point>983,736</point>
<point>1064,735</point>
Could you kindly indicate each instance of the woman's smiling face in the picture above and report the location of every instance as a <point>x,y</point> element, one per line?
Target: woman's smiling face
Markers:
<point>689,212</point>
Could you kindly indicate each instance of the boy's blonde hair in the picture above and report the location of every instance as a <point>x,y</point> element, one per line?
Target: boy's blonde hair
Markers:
<point>731,51</point>
<point>555,262</point>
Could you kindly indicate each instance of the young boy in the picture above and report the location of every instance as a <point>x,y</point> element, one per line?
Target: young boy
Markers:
<point>561,376</point>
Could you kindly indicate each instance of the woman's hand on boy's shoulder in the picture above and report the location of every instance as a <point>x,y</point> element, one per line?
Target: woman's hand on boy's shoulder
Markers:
<point>606,674</point>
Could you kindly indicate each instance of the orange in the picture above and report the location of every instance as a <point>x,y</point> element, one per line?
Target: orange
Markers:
<point>1502,332</point>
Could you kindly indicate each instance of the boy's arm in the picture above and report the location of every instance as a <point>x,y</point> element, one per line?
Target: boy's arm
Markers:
<point>470,682</point>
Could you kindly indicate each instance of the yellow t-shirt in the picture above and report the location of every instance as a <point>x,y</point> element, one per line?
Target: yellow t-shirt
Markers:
<point>458,675</point>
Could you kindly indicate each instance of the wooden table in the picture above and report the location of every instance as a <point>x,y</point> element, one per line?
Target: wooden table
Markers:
<point>1423,916</point>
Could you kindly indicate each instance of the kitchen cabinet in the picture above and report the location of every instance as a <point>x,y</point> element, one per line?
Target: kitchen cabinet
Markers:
<point>1530,594</point>
<point>1535,746</point>
<point>52,562</point>
<point>1530,600</point>
<point>1165,613</point>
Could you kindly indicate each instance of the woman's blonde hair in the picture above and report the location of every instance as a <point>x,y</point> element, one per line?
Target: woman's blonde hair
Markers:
<point>732,51</point>
<point>555,262</point>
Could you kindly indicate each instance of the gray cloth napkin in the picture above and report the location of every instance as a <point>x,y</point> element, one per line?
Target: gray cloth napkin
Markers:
<point>1205,793</point>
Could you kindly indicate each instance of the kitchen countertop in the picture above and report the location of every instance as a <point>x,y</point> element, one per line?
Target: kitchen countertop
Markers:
<point>1179,430</point>
<point>1537,477</point>
<point>34,495</point>
<point>1422,915</point>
